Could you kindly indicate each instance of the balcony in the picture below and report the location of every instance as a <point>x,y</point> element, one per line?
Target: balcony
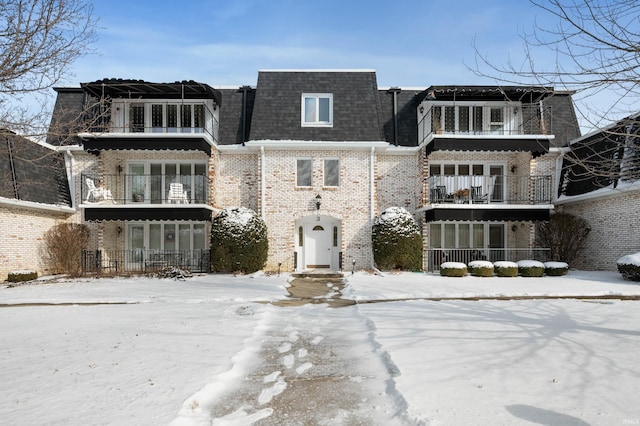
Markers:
<point>485,127</point>
<point>152,125</point>
<point>111,262</point>
<point>488,197</point>
<point>436,257</point>
<point>145,197</point>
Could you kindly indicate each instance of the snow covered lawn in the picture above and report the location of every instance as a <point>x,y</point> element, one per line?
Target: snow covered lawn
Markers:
<point>157,343</point>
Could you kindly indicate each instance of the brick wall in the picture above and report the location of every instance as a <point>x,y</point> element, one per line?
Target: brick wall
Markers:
<point>614,229</point>
<point>22,231</point>
<point>236,180</point>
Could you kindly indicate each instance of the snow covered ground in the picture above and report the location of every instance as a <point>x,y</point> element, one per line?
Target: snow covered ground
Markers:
<point>209,350</point>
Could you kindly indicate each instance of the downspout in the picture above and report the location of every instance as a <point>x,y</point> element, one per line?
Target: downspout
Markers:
<point>14,180</point>
<point>244,90</point>
<point>69,160</point>
<point>371,198</point>
<point>371,185</point>
<point>263,197</point>
<point>394,91</point>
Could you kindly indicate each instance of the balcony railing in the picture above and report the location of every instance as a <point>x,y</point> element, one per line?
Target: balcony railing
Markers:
<point>488,189</point>
<point>144,261</point>
<point>514,120</point>
<point>134,189</point>
<point>157,118</point>
<point>436,257</point>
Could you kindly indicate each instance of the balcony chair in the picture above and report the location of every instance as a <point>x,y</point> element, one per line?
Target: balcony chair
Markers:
<point>98,193</point>
<point>177,194</point>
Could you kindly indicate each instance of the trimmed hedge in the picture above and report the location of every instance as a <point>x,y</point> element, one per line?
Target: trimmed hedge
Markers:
<point>481,268</point>
<point>556,269</point>
<point>530,268</point>
<point>453,269</point>
<point>506,269</point>
<point>239,241</point>
<point>396,240</point>
<point>629,267</point>
<point>20,276</point>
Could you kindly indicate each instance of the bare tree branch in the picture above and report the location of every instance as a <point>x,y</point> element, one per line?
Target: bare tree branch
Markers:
<point>595,48</point>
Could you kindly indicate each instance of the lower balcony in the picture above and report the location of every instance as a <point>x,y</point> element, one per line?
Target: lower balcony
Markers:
<point>116,262</point>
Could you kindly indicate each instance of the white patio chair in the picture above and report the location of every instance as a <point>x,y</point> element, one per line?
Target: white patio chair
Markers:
<point>98,194</point>
<point>177,194</point>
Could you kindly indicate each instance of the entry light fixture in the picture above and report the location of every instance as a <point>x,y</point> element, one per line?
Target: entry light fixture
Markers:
<point>318,203</point>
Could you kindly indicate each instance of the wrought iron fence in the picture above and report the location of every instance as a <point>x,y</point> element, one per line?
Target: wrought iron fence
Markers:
<point>436,257</point>
<point>144,261</point>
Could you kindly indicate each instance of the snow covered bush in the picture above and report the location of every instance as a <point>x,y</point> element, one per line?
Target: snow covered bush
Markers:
<point>19,276</point>
<point>238,241</point>
<point>555,269</point>
<point>629,267</point>
<point>63,245</point>
<point>481,268</point>
<point>530,268</point>
<point>506,269</point>
<point>397,241</point>
<point>453,269</point>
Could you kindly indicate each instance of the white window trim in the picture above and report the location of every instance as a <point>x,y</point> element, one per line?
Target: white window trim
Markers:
<point>324,172</point>
<point>316,123</point>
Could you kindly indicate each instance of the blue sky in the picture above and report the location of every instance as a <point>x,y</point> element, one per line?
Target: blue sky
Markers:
<point>410,43</point>
<point>225,42</point>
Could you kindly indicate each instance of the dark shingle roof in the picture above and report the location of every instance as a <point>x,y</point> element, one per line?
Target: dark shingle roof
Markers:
<point>66,120</point>
<point>31,172</point>
<point>277,108</point>
<point>407,103</point>
<point>231,115</point>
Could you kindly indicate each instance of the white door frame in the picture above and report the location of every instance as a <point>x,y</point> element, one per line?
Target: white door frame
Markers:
<point>318,242</point>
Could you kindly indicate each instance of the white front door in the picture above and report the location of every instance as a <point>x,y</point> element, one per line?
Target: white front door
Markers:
<point>319,246</point>
<point>318,243</point>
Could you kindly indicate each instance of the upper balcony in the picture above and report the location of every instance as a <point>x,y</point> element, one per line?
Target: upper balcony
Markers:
<point>490,125</point>
<point>122,114</point>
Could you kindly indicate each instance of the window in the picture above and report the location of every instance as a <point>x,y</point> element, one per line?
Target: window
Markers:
<point>331,172</point>
<point>303,172</point>
<point>494,118</point>
<point>317,110</point>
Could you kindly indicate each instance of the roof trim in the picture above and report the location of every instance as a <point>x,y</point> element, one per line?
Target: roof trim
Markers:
<point>124,88</point>
<point>32,205</point>
<point>319,70</point>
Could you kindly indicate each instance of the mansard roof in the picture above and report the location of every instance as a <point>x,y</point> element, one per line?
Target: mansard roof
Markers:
<point>278,97</point>
<point>32,172</point>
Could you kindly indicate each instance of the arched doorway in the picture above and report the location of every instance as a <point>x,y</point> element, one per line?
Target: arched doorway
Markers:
<point>318,242</point>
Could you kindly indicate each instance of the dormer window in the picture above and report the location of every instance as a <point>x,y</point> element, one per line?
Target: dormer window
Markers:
<point>317,110</point>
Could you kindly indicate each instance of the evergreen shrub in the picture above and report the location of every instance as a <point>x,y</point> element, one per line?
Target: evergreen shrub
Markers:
<point>481,268</point>
<point>20,276</point>
<point>629,267</point>
<point>239,241</point>
<point>396,240</point>
<point>506,269</point>
<point>453,269</point>
<point>530,268</point>
<point>556,269</point>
